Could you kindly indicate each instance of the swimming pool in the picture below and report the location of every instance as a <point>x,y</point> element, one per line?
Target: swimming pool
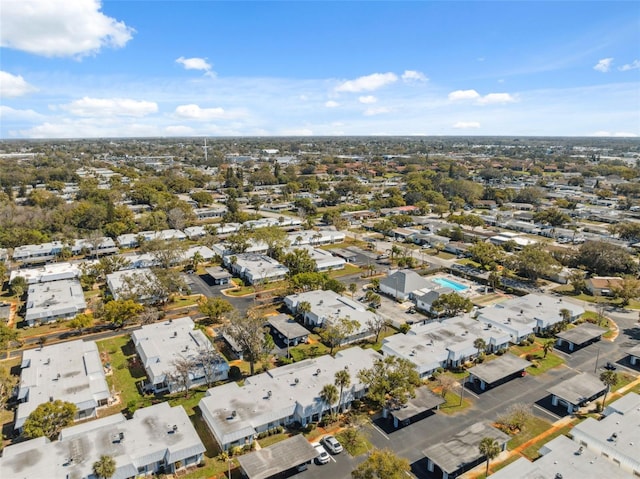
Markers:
<point>447,283</point>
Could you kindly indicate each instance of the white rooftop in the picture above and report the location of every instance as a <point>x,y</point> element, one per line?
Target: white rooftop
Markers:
<point>69,371</point>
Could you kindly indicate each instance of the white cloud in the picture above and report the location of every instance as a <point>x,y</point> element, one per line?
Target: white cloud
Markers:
<point>413,76</point>
<point>60,28</point>
<point>332,104</point>
<point>489,99</point>
<point>466,125</point>
<point>196,64</point>
<point>634,65</point>
<point>108,107</point>
<point>617,134</point>
<point>367,83</point>
<point>367,99</point>
<point>603,65</point>
<point>493,98</point>
<point>463,95</point>
<point>13,85</point>
<point>194,112</point>
<point>376,111</point>
<point>9,113</point>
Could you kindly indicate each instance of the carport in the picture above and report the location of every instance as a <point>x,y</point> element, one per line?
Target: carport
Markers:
<point>288,330</point>
<point>219,275</point>
<point>580,336</point>
<point>282,456</point>
<point>577,391</point>
<point>634,354</point>
<point>417,407</point>
<point>348,256</point>
<point>498,371</point>
<point>460,453</point>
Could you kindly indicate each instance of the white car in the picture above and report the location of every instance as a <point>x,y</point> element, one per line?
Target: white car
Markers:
<point>323,455</point>
<point>332,444</point>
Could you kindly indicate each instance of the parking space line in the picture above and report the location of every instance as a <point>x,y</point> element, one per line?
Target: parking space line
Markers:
<point>380,431</point>
<point>467,390</point>
<point>332,458</point>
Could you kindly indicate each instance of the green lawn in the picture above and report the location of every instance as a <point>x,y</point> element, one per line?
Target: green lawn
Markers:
<point>533,427</point>
<point>304,351</point>
<point>541,364</point>
<point>270,440</point>
<point>126,370</point>
<point>348,270</point>
<point>623,380</point>
<point>452,404</point>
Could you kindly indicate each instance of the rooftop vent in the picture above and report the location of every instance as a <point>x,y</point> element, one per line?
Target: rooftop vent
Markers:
<point>48,361</point>
<point>234,413</point>
<point>318,371</point>
<point>175,334</point>
<point>296,380</point>
<point>172,429</point>
<point>579,451</point>
<point>558,476</point>
<point>269,394</point>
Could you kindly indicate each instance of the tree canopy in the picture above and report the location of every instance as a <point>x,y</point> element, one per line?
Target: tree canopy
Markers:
<point>391,381</point>
<point>382,464</point>
<point>49,418</point>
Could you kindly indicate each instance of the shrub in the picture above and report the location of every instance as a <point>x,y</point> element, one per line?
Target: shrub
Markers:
<point>235,373</point>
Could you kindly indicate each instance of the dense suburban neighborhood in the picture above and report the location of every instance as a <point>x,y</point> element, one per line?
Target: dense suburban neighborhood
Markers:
<point>267,308</point>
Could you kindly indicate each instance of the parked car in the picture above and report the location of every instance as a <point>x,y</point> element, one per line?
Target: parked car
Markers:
<point>610,366</point>
<point>332,444</point>
<point>323,455</point>
<point>383,256</point>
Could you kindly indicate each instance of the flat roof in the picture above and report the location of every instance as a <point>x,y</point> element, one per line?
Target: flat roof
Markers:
<point>424,401</point>
<point>277,458</point>
<point>462,448</point>
<point>578,388</point>
<point>582,333</point>
<point>70,371</point>
<point>54,298</point>
<point>562,456</point>
<point>499,368</point>
<point>634,351</point>
<point>218,273</point>
<point>287,326</point>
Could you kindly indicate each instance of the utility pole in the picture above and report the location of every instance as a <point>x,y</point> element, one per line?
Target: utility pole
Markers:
<point>464,379</point>
<point>595,368</point>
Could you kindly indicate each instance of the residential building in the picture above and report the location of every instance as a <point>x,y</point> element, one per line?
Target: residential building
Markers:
<point>139,285</point>
<point>562,458</point>
<point>131,240</point>
<point>603,285</point>
<point>281,396</point>
<point>448,343</point>
<point>99,247</point>
<point>254,268</point>
<point>324,260</point>
<point>615,437</point>
<point>38,253</point>
<point>46,273</point>
<point>54,300</point>
<point>315,238</point>
<point>400,284</point>
<point>327,307</point>
<point>158,439</point>
<point>70,372</point>
<point>164,347</point>
<point>529,314</point>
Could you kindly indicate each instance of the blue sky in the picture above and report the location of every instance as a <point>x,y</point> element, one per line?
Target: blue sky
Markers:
<point>84,68</point>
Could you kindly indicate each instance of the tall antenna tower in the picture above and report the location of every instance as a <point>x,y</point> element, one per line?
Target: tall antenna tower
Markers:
<point>205,150</point>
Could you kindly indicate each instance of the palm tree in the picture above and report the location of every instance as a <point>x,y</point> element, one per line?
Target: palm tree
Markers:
<point>329,395</point>
<point>609,378</point>
<point>548,346</point>
<point>105,467</point>
<point>480,344</point>
<point>342,380</point>
<point>490,448</point>
<point>196,259</point>
<point>303,308</point>
<point>353,287</point>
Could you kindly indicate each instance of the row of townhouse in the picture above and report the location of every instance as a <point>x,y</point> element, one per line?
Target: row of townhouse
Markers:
<point>47,252</point>
<point>450,343</point>
<point>158,439</point>
<point>281,396</point>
